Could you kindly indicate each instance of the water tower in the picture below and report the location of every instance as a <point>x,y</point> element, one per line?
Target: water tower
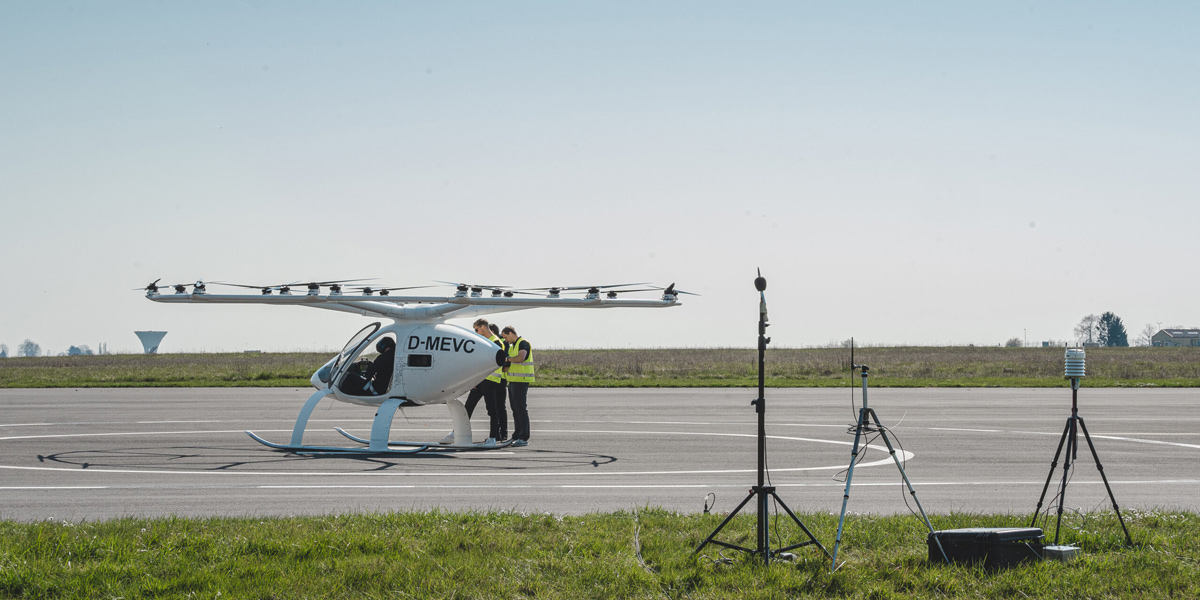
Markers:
<point>150,340</point>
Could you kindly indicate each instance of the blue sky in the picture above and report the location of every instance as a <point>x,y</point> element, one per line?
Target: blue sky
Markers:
<point>922,172</point>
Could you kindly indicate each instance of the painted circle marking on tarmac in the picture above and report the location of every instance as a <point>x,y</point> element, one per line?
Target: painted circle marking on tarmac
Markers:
<point>904,455</point>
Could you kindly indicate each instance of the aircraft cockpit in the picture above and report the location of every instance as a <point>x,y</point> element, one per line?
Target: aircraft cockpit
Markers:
<point>371,374</point>
<point>364,367</point>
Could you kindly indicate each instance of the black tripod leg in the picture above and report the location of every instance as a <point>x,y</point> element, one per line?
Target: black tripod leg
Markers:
<point>1087,436</point>
<point>764,527</point>
<point>1072,450</point>
<point>724,523</point>
<point>811,537</point>
<point>1050,475</point>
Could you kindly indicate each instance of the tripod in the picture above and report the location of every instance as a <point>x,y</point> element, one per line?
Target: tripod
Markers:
<point>1070,438</point>
<point>865,416</point>
<point>761,492</point>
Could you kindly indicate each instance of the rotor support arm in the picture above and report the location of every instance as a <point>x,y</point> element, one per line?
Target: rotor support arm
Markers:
<point>409,307</point>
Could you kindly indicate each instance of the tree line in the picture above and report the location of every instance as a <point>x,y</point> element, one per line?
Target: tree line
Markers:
<point>1104,330</point>
<point>30,348</point>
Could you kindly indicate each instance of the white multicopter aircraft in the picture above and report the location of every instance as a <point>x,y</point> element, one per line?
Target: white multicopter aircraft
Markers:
<point>435,362</point>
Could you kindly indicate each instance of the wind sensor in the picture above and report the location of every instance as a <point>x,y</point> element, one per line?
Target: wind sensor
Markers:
<point>866,415</point>
<point>762,492</point>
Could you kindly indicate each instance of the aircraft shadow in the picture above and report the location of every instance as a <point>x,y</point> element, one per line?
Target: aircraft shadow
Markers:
<point>222,459</point>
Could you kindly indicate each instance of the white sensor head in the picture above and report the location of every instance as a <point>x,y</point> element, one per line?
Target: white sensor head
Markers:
<point>1075,363</point>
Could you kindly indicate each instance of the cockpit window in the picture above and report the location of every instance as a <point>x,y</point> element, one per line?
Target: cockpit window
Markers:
<point>352,347</point>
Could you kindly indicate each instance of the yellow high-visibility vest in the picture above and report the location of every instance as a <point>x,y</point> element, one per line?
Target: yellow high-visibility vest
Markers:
<point>498,374</point>
<point>520,372</point>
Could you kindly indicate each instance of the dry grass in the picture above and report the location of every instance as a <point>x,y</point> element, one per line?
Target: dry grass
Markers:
<point>717,367</point>
<point>161,370</point>
<point>902,366</point>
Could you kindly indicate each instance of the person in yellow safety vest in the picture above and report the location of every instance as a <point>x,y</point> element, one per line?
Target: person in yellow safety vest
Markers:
<point>490,390</point>
<point>502,389</point>
<point>519,370</point>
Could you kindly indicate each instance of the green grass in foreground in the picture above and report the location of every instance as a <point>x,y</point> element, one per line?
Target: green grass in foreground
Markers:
<point>645,554</point>
<point>787,367</point>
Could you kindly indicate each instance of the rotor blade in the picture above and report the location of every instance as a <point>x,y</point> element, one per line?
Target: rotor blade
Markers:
<point>565,288</point>
<point>390,289</point>
<point>242,285</point>
<point>334,282</point>
<point>622,291</point>
<point>164,286</point>
<point>603,287</point>
<point>473,285</point>
<point>670,290</point>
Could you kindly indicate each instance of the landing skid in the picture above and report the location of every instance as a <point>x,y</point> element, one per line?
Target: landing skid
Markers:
<point>302,449</point>
<point>379,442</point>
<point>430,447</point>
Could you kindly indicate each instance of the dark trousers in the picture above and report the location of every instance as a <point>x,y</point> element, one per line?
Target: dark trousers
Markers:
<point>518,395</point>
<point>492,393</point>
<point>493,396</point>
<point>501,390</point>
<point>473,397</point>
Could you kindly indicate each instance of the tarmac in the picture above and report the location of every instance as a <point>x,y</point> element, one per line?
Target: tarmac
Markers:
<point>97,454</point>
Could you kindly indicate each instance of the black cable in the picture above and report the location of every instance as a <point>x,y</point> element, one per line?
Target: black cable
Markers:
<point>1045,514</point>
<point>774,503</point>
<point>839,476</point>
<point>853,406</point>
<point>903,462</point>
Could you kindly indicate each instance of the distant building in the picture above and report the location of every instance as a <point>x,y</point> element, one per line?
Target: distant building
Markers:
<point>150,340</point>
<point>1176,337</point>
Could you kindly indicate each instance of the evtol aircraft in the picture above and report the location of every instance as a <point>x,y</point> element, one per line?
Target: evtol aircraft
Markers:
<point>435,362</point>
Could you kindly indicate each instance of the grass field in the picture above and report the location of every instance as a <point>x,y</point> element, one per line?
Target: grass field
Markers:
<point>644,554</point>
<point>818,367</point>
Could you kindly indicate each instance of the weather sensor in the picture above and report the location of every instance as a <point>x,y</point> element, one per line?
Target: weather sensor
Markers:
<point>1073,369</point>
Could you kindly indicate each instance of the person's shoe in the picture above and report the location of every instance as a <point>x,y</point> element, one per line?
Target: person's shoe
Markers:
<point>449,439</point>
<point>520,443</point>
<point>488,443</point>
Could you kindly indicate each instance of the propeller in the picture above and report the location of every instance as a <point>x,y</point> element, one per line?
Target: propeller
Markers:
<point>671,291</point>
<point>511,293</point>
<point>571,288</point>
<point>152,288</point>
<point>335,287</point>
<point>314,287</point>
<point>266,289</point>
<point>472,285</point>
<point>591,290</point>
<point>552,292</point>
<point>369,291</point>
<point>612,294</point>
<point>179,288</point>
<point>595,290</point>
<point>477,289</point>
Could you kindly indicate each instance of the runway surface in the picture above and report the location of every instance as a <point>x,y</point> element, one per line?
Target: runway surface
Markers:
<point>94,454</point>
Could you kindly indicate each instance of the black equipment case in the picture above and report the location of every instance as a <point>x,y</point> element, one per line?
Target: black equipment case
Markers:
<point>995,546</point>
